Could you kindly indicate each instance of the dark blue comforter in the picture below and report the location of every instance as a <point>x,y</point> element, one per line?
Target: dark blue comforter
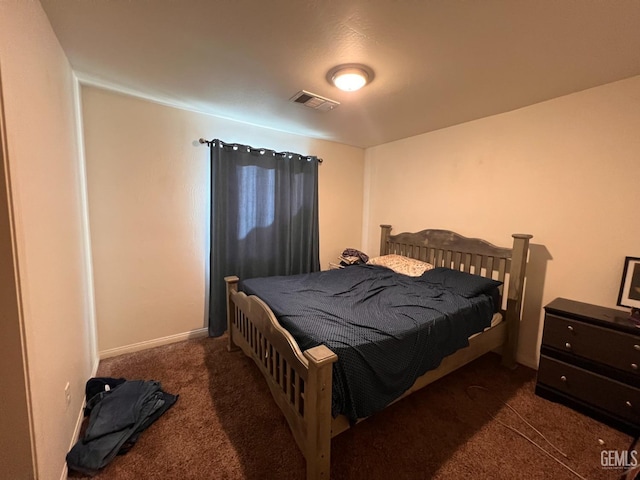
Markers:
<point>387,329</point>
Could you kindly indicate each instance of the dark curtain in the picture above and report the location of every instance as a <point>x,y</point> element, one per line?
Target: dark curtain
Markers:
<point>264,218</point>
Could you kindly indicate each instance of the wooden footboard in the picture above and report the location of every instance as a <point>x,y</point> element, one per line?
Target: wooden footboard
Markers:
<point>301,382</point>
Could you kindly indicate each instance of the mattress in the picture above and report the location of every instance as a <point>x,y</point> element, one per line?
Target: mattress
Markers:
<point>495,320</point>
<point>386,328</point>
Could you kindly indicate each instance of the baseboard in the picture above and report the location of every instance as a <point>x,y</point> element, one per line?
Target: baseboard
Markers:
<point>74,439</point>
<point>136,347</point>
<point>76,431</point>
<point>527,362</point>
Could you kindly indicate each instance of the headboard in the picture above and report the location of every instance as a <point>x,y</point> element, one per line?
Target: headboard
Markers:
<point>443,248</point>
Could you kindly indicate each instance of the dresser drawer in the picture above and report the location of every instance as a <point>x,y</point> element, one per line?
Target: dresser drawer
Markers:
<point>617,349</point>
<point>614,397</point>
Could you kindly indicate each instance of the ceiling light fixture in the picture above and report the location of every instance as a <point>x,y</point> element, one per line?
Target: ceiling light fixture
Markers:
<point>350,77</point>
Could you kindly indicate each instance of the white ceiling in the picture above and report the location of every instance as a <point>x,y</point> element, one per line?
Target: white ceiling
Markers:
<point>437,63</point>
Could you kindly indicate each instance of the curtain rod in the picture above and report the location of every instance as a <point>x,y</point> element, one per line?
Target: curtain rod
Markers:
<point>209,142</point>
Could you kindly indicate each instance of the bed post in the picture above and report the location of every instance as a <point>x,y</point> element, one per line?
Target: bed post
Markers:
<point>384,238</point>
<point>232,286</point>
<point>514,297</point>
<point>318,412</point>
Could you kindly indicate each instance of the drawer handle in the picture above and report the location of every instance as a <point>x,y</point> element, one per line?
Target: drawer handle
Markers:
<point>636,347</point>
<point>568,345</point>
<point>628,404</point>
<point>563,378</point>
<point>570,328</point>
<point>634,366</point>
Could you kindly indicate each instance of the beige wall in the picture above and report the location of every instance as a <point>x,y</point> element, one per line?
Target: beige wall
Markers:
<point>565,171</point>
<point>46,188</point>
<point>148,185</point>
<point>16,452</point>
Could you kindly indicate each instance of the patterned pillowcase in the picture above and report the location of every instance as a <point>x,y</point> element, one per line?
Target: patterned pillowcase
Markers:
<point>400,264</point>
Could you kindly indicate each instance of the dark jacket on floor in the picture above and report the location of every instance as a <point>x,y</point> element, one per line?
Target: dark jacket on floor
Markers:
<point>117,417</point>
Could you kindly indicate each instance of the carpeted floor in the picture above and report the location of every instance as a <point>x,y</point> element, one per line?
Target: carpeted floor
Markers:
<point>226,425</point>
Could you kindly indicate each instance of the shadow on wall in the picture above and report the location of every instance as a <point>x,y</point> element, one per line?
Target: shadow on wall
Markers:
<point>531,326</point>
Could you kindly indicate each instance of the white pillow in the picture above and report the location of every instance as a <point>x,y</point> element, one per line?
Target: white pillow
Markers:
<point>401,264</point>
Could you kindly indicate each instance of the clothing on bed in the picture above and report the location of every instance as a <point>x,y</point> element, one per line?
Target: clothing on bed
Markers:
<point>386,328</point>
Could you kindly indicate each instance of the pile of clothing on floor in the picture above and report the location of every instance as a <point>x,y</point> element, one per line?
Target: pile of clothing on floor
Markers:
<point>119,411</point>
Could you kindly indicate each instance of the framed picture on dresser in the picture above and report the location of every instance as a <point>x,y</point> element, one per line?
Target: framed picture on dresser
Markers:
<point>629,295</point>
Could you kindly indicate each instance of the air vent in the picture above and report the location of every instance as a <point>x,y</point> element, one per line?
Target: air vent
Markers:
<point>314,101</point>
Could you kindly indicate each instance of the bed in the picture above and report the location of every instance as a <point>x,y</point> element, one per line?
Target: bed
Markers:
<point>302,381</point>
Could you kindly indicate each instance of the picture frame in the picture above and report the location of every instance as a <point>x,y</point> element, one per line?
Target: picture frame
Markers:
<point>629,295</point>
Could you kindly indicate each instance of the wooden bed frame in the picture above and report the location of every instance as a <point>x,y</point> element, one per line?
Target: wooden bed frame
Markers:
<point>300,382</point>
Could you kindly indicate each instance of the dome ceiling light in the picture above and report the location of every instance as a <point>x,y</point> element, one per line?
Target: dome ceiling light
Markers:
<point>350,77</point>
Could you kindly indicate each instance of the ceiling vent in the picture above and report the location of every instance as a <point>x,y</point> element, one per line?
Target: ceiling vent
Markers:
<point>314,101</point>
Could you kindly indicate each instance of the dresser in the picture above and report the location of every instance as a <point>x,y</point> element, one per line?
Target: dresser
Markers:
<point>589,361</point>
